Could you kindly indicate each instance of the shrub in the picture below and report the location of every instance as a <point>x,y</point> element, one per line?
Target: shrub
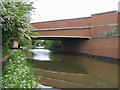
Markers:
<point>17,73</point>
<point>15,20</point>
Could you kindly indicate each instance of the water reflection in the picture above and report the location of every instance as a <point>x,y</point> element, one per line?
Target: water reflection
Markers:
<point>45,59</point>
<point>77,64</point>
<point>41,54</point>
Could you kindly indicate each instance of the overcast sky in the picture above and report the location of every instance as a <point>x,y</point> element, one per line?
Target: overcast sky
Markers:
<point>48,10</point>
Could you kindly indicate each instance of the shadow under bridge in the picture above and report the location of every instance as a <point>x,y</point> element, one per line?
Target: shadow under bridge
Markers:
<point>60,38</point>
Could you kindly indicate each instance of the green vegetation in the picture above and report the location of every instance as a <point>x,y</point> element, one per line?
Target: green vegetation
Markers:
<point>25,42</point>
<point>15,21</point>
<point>17,73</point>
<point>5,51</point>
<point>35,42</point>
<point>52,45</point>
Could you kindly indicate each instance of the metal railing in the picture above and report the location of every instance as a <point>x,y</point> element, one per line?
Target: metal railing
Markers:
<point>108,33</point>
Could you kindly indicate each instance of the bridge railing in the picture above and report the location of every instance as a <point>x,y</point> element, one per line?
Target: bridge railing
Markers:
<point>108,33</point>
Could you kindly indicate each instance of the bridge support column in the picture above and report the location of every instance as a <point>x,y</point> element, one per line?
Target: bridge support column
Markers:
<point>104,47</point>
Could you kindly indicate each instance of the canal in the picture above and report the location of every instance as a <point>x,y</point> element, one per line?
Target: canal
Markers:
<point>60,70</point>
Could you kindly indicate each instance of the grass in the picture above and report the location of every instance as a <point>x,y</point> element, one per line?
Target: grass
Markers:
<point>5,51</point>
<point>17,73</point>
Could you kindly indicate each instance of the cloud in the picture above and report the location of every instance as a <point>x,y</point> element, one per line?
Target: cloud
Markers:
<point>63,9</point>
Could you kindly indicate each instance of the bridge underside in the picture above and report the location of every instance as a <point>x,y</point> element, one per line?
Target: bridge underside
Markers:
<point>58,37</point>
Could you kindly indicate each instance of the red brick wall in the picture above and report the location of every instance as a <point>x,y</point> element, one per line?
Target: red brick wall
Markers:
<point>119,20</point>
<point>119,29</point>
<point>103,19</point>
<point>72,32</point>
<point>63,23</point>
<point>97,19</point>
<point>107,47</point>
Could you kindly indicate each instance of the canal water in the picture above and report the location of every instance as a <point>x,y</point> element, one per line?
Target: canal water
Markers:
<point>73,70</point>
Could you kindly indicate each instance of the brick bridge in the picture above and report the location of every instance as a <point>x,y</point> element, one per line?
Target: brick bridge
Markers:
<point>87,27</point>
<point>82,34</point>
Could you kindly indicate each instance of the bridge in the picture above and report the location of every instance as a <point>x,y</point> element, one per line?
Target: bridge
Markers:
<point>82,34</point>
<point>78,28</point>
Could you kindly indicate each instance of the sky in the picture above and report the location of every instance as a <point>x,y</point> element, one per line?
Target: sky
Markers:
<point>48,10</point>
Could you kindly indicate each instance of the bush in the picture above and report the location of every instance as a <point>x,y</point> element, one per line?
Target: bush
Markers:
<point>17,73</point>
<point>15,20</point>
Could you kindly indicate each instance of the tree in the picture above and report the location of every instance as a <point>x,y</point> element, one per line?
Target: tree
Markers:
<point>15,21</point>
<point>52,45</point>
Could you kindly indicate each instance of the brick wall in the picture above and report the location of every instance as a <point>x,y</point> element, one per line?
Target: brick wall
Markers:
<point>80,22</point>
<point>103,19</point>
<point>107,47</point>
<point>96,19</point>
<point>72,32</point>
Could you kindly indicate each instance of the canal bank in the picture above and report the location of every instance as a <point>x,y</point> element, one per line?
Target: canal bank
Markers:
<point>70,71</point>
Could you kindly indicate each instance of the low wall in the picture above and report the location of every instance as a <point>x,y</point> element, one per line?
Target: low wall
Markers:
<point>107,47</point>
